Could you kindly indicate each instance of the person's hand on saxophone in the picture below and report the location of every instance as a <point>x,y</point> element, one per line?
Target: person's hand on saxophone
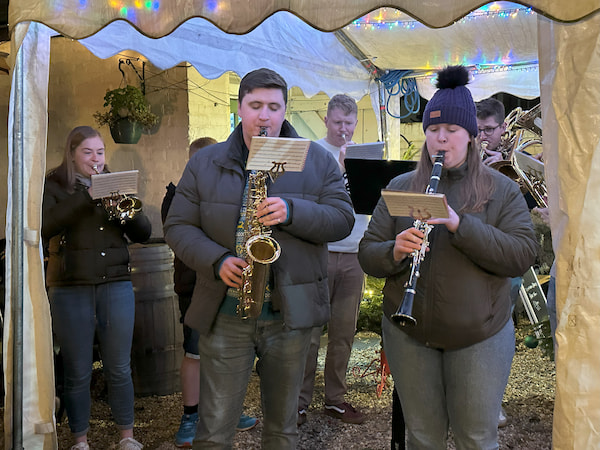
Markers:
<point>272,211</point>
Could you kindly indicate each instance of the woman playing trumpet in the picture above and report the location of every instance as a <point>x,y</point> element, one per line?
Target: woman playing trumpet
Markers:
<point>452,366</point>
<point>89,285</point>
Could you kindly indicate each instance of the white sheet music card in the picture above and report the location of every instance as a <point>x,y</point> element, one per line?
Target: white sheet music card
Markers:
<point>529,164</point>
<point>107,184</point>
<point>415,205</point>
<point>370,150</point>
<point>268,152</point>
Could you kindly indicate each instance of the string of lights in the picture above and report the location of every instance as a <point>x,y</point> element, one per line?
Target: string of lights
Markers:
<point>390,18</point>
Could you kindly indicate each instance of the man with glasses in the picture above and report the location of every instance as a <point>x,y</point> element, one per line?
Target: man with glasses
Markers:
<point>490,121</point>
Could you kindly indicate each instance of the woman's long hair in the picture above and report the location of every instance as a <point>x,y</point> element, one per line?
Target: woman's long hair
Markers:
<point>64,174</point>
<point>477,187</point>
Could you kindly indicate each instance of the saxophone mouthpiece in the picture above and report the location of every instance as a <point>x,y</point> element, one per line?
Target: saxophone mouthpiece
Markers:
<point>263,131</point>
<point>95,167</point>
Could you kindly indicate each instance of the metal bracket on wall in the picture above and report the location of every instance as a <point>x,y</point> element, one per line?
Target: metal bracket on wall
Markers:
<point>142,77</point>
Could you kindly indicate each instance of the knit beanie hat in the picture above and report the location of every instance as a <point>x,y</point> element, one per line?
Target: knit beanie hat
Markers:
<point>452,102</point>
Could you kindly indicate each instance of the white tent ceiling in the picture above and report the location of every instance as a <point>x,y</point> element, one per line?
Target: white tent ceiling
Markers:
<point>498,41</point>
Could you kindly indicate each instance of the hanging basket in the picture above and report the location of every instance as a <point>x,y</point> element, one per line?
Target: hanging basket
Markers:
<point>126,132</point>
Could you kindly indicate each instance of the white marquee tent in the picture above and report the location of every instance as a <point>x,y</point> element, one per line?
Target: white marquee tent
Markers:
<point>568,55</point>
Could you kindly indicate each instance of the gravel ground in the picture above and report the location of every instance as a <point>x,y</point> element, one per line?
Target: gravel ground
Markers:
<point>528,401</point>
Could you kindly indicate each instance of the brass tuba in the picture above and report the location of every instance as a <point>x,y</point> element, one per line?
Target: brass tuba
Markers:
<point>120,207</point>
<point>523,130</point>
<point>260,248</point>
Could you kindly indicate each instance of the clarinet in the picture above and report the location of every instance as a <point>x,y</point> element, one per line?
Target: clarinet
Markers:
<point>403,316</point>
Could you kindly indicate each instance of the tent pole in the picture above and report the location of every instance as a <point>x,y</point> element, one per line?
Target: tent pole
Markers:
<point>383,119</point>
<point>16,259</point>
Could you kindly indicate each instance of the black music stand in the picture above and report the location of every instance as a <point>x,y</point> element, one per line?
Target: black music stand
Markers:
<point>367,177</point>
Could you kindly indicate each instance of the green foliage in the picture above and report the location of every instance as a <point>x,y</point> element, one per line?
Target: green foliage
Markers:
<point>371,307</point>
<point>128,102</point>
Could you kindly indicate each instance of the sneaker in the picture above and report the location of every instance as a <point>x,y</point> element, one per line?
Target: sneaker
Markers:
<point>187,431</point>
<point>246,423</point>
<point>80,446</point>
<point>345,412</point>
<point>502,420</point>
<point>301,417</point>
<point>130,443</point>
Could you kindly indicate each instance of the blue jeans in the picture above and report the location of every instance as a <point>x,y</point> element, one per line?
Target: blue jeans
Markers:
<point>227,354</point>
<point>461,388</point>
<point>79,312</point>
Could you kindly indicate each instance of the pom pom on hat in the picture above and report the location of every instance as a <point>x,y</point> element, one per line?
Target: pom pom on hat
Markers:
<point>452,102</point>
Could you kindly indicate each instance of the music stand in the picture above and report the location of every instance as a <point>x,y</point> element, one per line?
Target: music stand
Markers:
<point>367,177</point>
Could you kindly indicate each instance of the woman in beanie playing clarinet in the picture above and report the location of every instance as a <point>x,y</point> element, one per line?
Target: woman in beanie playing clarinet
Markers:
<point>450,362</point>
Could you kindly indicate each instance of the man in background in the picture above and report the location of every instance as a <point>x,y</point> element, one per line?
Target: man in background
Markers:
<point>490,121</point>
<point>346,283</point>
<point>185,279</point>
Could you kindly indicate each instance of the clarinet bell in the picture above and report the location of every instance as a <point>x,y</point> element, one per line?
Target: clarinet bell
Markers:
<point>403,315</point>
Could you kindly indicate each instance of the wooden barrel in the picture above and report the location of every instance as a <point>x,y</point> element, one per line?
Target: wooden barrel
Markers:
<point>157,336</point>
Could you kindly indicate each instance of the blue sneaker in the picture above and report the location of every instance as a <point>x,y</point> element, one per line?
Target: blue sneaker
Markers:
<point>246,423</point>
<point>187,431</point>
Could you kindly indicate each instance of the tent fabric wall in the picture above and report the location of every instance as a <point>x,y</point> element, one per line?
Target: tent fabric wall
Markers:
<point>27,139</point>
<point>78,19</point>
<point>571,107</point>
<point>570,64</point>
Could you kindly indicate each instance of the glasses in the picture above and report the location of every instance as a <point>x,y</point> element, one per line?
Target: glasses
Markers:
<point>488,131</point>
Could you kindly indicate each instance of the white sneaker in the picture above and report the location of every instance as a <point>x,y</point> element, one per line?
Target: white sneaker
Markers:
<point>80,446</point>
<point>130,444</point>
<point>502,420</point>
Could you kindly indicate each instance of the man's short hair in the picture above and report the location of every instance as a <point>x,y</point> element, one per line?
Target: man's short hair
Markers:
<point>491,107</point>
<point>343,102</point>
<point>262,78</point>
<point>201,142</point>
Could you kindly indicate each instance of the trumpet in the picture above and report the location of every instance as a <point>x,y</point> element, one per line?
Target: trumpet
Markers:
<point>403,316</point>
<point>120,207</point>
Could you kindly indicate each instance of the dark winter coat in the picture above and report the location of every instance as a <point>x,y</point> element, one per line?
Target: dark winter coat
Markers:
<point>84,246</point>
<point>201,228</point>
<point>184,278</point>
<point>463,293</point>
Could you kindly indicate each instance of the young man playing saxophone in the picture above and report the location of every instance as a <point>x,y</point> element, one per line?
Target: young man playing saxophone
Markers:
<point>305,210</point>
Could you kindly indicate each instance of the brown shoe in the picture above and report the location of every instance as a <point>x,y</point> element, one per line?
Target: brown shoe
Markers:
<point>345,412</point>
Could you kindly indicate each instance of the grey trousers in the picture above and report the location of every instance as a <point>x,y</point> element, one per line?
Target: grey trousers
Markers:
<point>346,284</point>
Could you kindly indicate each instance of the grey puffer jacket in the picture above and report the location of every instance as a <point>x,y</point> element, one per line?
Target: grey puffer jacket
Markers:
<point>201,227</point>
<point>463,293</point>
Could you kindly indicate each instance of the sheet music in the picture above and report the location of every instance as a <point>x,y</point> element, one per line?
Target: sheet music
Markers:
<point>106,184</point>
<point>371,150</point>
<point>415,205</point>
<point>265,152</point>
<point>530,165</point>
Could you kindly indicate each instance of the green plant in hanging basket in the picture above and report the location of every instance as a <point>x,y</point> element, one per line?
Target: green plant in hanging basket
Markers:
<point>126,103</point>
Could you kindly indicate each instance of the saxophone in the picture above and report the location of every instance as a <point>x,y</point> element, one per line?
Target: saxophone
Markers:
<point>259,247</point>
